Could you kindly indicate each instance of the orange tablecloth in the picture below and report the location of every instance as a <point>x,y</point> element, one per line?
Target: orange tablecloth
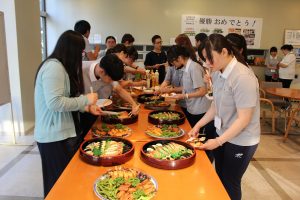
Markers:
<point>198,181</point>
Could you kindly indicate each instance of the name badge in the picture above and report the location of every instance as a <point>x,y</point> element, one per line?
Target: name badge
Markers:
<point>273,70</point>
<point>218,122</point>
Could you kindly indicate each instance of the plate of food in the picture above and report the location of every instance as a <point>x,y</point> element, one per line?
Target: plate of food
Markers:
<point>168,95</point>
<point>114,130</point>
<point>157,105</point>
<point>148,91</point>
<point>103,102</point>
<point>119,116</point>
<point>165,131</point>
<point>166,117</point>
<point>196,142</point>
<point>106,151</point>
<point>125,183</point>
<point>168,154</point>
<point>149,97</point>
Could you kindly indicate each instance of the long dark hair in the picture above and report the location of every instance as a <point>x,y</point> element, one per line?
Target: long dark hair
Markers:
<point>238,42</point>
<point>217,42</point>
<point>68,50</point>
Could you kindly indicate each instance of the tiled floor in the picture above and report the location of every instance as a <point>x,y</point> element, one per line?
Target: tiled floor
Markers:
<point>273,172</point>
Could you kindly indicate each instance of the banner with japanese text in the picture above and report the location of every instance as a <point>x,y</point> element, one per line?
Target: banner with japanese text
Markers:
<point>250,28</point>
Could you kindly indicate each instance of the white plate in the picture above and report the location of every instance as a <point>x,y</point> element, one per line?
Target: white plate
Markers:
<point>169,95</point>
<point>138,87</point>
<point>103,102</point>
<point>148,91</point>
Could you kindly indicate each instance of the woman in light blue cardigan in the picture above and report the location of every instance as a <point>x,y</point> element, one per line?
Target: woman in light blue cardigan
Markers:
<point>58,89</point>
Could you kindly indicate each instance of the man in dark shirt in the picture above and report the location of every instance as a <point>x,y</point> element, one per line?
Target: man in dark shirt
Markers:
<point>157,59</point>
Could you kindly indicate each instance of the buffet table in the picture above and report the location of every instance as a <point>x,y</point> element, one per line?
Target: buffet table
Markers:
<point>198,181</point>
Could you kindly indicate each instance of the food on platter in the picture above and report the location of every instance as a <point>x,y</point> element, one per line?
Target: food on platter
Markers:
<point>106,151</point>
<point>119,116</point>
<point>168,154</point>
<point>166,116</point>
<point>165,131</point>
<point>116,130</point>
<point>149,97</point>
<point>168,94</point>
<point>196,142</point>
<point>169,151</point>
<point>105,148</point>
<point>125,183</point>
<point>157,103</point>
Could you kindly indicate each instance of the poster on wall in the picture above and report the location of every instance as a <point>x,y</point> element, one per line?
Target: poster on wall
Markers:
<point>250,28</point>
<point>292,37</point>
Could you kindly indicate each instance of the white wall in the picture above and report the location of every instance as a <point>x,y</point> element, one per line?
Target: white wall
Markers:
<point>24,55</point>
<point>144,18</point>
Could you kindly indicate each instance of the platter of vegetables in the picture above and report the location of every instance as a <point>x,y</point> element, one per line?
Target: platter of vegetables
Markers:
<point>125,183</point>
<point>157,105</point>
<point>115,130</point>
<point>166,117</point>
<point>165,131</point>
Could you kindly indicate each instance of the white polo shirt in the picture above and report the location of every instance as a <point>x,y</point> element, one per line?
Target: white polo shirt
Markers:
<point>103,89</point>
<point>288,72</point>
<point>237,87</point>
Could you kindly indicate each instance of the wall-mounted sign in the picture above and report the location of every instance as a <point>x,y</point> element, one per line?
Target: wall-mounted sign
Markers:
<point>250,28</point>
<point>292,37</point>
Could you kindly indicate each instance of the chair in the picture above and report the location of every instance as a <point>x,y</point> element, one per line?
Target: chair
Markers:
<point>293,117</point>
<point>275,103</point>
<point>263,100</point>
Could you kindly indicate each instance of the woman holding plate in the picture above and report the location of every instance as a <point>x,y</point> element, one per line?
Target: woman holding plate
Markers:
<point>235,110</point>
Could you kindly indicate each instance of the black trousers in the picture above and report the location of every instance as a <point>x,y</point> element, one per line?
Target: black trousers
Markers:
<point>208,130</point>
<point>268,78</point>
<point>286,83</point>
<point>231,162</point>
<point>55,157</point>
<point>86,122</point>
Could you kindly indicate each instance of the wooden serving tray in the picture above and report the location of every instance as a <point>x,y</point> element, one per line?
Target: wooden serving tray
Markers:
<point>167,164</point>
<point>107,160</point>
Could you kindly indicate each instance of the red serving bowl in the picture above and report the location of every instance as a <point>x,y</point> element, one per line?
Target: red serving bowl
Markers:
<point>149,106</point>
<point>167,164</point>
<point>155,121</point>
<point>109,120</point>
<point>107,160</point>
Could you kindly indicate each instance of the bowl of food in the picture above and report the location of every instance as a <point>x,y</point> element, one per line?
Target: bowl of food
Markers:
<point>108,130</point>
<point>125,183</point>
<point>119,116</point>
<point>149,97</point>
<point>106,151</point>
<point>157,105</point>
<point>168,154</point>
<point>166,117</point>
<point>165,131</point>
